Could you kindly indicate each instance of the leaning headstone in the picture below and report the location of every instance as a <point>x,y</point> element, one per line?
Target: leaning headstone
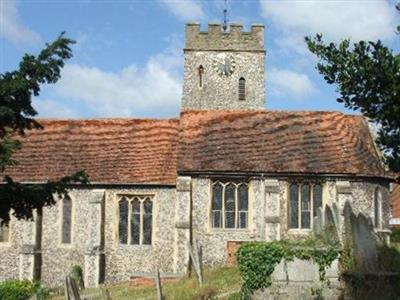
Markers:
<point>336,215</point>
<point>71,289</point>
<point>365,243</point>
<point>330,226</point>
<point>318,224</point>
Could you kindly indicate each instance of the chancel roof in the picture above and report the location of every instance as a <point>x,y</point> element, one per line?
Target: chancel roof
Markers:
<point>277,142</point>
<point>150,151</point>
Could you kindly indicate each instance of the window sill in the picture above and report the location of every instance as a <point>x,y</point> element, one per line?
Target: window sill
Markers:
<point>5,244</point>
<point>135,247</point>
<point>229,230</point>
<point>299,231</point>
<point>66,246</point>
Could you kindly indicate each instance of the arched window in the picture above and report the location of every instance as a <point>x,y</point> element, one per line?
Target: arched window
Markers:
<point>242,89</point>
<point>229,205</point>
<point>4,232</point>
<point>216,206</point>
<point>135,220</point>
<point>66,220</point>
<point>304,201</point>
<point>147,221</point>
<point>123,220</point>
<point>378,208</point>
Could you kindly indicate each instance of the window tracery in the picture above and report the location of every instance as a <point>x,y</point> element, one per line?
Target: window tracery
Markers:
<point>135,219</point>
<point>229,205</point>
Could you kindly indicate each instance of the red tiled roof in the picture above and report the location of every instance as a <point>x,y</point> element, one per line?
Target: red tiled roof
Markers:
<point>147,151</point>
<point>277,142</point>
<point>110,150</point>
<point>395,201</point>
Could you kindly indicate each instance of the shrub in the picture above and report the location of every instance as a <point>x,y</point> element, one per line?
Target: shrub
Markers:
<point>77,274</point>
<point>17,290</point>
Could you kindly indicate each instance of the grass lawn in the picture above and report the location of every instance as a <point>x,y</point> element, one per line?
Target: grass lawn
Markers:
<point>224,282</point>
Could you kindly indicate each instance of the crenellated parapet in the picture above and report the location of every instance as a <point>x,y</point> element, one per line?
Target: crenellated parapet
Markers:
<point>216,39</point>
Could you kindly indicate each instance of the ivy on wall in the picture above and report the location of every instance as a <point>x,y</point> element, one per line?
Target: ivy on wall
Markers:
<point>257,260</point>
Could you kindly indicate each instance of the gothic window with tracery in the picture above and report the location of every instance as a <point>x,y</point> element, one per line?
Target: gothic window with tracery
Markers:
<point>229,205</point>
<point>242,89</point>
<point>304,201</point>
<point>66,220</point>
<point>4,232</point>
<point>135,219</point>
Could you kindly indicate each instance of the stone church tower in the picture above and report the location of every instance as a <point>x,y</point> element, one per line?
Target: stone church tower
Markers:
<point>224,70</point>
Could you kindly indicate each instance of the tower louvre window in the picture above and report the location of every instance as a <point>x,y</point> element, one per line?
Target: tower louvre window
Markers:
<point>242,89</point>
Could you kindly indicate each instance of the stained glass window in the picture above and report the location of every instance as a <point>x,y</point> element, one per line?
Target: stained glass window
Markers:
<point>229,206</point>
<point>66,220</point>
<point>135,220</point>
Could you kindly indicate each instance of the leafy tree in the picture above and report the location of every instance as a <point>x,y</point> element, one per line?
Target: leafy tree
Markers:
<point>17,116</point>
<point>367,76</point>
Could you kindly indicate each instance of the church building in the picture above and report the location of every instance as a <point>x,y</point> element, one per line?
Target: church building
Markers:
<point>226,171</point>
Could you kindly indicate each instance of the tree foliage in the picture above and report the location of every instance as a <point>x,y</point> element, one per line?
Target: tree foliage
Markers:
<point>17,116</point>
<point>367,76</point>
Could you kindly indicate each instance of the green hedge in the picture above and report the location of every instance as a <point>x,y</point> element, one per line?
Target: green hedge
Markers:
<point>17,290</point>
<point>257,260</point>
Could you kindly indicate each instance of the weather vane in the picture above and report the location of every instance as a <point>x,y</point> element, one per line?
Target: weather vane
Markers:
<point>225,24</point>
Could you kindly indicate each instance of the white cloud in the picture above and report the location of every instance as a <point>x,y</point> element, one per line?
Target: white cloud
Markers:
<point>283,82</point>
<point>186,10</point>
<point>355,19</point>
<point>11,27</point>
<point>152,90</point>
<point>48,108</point>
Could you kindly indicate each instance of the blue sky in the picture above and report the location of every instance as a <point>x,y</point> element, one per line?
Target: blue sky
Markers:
<point>128,60</point>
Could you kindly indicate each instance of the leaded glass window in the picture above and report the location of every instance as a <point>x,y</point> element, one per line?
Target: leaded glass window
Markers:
<point>135,220</point>
<point>229,206</point>
<point>378,208</point>
<point>304,200</point>
<point>66,220</point>
<point>123,220</point>
<point>4,232</point>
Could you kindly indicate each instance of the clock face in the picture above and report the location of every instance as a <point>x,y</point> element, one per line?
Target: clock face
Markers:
<point>225,66</point>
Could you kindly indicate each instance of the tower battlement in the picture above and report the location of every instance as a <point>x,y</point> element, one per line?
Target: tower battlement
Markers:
<point>215,39</point>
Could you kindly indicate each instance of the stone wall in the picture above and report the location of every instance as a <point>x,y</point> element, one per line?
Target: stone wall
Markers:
<point>123,261</point>
<point>215,241</point>
<point>221,91</point>
<point>93,232</point>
